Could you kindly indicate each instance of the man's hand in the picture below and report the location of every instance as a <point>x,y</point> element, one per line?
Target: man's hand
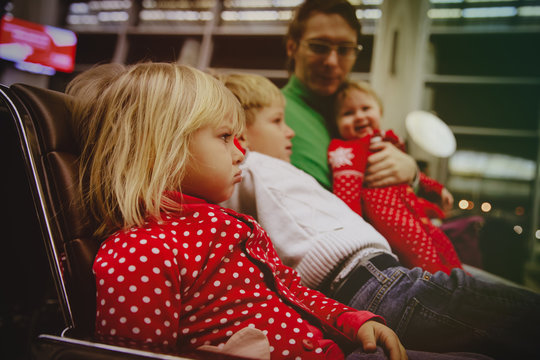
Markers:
<point>388,166</point>
<point>372,333</point>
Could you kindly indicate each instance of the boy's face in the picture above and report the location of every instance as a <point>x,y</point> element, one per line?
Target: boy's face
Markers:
<point>359,115</point>
<point>269,134</point>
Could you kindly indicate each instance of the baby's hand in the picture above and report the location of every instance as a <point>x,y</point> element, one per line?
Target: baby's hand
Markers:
<point>447,200</point>
<point>372,333</point>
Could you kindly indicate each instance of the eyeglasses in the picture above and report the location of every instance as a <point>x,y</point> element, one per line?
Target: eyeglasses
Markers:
<point>323,48</point>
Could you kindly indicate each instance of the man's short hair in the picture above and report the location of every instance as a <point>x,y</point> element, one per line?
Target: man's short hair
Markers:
<point>302,14</point>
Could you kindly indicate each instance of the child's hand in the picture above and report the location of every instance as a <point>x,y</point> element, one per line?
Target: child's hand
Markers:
<point>372,333</point>
<point>388,166</point>
<point>447,200</point>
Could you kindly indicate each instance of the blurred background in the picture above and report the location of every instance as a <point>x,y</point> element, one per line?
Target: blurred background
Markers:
<point>474,63</point>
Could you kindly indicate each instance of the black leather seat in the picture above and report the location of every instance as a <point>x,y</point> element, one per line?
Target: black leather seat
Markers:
<point>47,139</point>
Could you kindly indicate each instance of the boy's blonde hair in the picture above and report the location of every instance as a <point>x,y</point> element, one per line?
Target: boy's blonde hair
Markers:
<point>85,87</point>
<point>91,82</point>
<point>253,91</point>
<point>362,86</point>
<point>138,139</point>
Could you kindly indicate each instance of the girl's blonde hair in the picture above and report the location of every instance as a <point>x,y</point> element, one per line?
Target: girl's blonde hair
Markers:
<point>138,140</point>
<point>362,86</point>
<point>253,91</point>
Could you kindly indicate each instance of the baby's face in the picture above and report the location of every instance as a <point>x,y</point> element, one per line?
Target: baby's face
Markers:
<point>269,134</point>
<point>359,115</point>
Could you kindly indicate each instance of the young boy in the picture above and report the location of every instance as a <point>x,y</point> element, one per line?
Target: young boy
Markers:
<point>336,251</point>
<point>287,201</point>
<point>395,211</point>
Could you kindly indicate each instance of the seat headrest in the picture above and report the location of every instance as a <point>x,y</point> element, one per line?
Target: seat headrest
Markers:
<point>53,109</point>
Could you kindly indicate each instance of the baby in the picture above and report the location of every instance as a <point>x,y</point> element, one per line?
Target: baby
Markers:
<point>395,211</point>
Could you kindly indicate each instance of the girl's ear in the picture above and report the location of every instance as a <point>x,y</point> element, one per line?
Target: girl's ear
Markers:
<point>291,47</point>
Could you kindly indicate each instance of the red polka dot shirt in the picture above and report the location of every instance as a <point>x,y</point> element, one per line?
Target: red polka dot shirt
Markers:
<point>198,277</point>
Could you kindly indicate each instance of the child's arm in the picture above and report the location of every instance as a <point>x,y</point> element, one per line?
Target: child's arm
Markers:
<point>361,327</point>
<point>429,187</point>
<point>137,293</point>
<point>317,303</point>
<point>434,191</point>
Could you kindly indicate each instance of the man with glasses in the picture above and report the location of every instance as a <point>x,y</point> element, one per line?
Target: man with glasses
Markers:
<point>430,312</point>
<point>324,48</point>
<point>322,44</point>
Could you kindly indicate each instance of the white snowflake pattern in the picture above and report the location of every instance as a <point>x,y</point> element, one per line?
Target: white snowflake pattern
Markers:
<point>340,157</point>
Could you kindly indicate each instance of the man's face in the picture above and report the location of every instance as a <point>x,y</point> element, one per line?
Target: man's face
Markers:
<point>322,72</point>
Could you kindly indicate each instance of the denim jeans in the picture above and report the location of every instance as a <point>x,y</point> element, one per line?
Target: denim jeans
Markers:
<point>453,313</point>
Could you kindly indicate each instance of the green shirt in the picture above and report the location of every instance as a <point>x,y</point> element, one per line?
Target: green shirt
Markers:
<point>310,116</point>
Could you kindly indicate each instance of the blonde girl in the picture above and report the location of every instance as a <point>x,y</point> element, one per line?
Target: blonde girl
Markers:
<point>138,146</point>
<point>177,272</point>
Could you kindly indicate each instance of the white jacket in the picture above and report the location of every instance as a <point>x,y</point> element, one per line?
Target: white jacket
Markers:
<point>312,230</point>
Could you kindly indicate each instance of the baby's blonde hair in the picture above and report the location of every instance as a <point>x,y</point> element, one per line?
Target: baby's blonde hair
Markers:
<point>362,86</point>
<point>253,91</point>
<point>138,139</point>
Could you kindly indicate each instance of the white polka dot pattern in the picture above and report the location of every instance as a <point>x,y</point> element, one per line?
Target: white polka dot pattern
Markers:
<point>198,278</point>
<point>394,211</point>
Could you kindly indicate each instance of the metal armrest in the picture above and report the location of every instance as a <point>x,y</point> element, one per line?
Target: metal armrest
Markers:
<point>52,347</point>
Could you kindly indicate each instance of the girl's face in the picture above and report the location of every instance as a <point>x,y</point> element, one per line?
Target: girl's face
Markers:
<point>359,115</point>
<point>212,170</point>
<point>269,134</point>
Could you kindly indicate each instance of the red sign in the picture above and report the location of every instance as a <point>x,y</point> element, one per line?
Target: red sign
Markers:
<point>24,41</point>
